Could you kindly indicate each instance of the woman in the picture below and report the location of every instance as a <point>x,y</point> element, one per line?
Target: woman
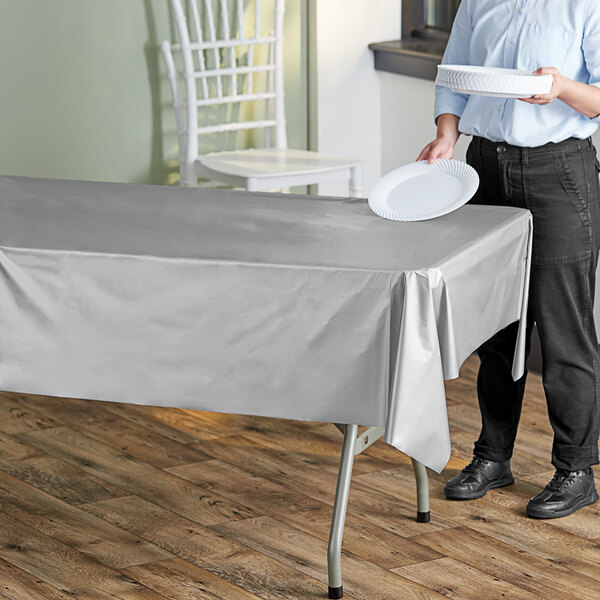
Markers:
<point>536,154</point>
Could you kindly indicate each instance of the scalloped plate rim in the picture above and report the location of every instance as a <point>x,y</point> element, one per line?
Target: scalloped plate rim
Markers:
<point>489,81</point>
<point>379,193</point>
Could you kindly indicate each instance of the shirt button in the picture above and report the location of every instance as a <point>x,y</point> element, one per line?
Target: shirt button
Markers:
<point>520,10</point>
<point>512,40</point>
<point>499,108</point>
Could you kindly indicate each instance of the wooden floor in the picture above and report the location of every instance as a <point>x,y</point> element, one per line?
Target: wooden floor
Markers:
<point>101,500</point>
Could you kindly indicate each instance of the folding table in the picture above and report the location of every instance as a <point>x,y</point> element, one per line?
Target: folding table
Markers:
<point>275,305</point>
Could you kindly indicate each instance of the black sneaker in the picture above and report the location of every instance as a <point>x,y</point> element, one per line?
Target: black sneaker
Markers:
<point>567,492</point>
<point>479,476</point>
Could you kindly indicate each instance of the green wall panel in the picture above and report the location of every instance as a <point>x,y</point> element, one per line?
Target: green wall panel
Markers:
<point>84,93</point>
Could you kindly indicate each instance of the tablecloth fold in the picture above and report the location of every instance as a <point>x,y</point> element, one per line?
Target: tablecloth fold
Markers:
<point>418,370</point>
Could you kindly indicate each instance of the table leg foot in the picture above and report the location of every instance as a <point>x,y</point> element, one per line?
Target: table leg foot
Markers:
<point>336,592</point>
<point>423,517</point>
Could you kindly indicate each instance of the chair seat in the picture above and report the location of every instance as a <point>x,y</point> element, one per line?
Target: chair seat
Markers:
<point>269,162</point>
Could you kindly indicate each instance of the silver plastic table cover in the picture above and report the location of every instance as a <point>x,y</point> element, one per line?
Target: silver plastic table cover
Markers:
<point>276,305</point>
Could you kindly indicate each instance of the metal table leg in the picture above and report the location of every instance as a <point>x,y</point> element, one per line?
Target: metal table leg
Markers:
<point>334,552</point>
<point>354,444</point>
<point>423,515</point>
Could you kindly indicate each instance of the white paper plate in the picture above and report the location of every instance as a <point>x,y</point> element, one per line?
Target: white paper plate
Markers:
<point>493,81</point>
<point>420,191</point>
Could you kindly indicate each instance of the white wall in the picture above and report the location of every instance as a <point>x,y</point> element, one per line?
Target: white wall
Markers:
<point>407,119</point>
<point>345,90</point>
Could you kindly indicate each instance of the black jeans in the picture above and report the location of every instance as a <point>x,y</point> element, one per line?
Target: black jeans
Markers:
<point>558,183</point>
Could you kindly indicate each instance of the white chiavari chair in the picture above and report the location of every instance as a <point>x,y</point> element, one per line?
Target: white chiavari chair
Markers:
<point>214,75</point>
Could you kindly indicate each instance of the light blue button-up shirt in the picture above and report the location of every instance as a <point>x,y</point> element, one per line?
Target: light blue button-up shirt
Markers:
<point>523,34</point>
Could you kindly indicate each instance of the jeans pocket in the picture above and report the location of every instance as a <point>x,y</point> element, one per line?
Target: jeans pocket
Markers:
<point>558,200</point>
<point>573,178</point>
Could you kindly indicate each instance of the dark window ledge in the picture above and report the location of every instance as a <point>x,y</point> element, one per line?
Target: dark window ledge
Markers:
<point>414,56</point>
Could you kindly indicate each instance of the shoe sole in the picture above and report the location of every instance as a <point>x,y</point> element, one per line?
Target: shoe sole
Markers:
<point>458,495</point>
<point>539,514</point>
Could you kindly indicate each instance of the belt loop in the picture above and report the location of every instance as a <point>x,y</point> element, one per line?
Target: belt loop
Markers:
<point>524,156</point>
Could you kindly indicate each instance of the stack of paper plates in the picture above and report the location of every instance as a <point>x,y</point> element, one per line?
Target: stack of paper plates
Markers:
<point>493,81</point>
<point>420,191</point>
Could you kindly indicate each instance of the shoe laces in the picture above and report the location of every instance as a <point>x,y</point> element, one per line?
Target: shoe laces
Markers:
<point>561,480</point>
<point>473,466</point>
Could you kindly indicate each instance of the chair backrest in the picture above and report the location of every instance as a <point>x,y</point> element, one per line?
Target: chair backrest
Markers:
<point>214,75</point>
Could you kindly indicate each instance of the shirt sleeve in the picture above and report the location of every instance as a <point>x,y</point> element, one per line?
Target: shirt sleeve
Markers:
<point>457,53</point>
<point>591,43</point>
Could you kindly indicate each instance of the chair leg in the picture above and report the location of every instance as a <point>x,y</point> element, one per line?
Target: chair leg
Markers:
<point>251,185</point>
<point>187,176</point>
<point>355,187</point>
<point>423,514</point>
<point>334,552</point>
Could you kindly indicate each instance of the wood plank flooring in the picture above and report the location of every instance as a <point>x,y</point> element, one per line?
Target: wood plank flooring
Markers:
<point>102,500</point>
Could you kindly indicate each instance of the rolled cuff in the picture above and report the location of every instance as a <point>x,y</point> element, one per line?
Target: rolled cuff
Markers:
<point>574,458</point>
<point>492,453</point>
<point>447,101</point>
